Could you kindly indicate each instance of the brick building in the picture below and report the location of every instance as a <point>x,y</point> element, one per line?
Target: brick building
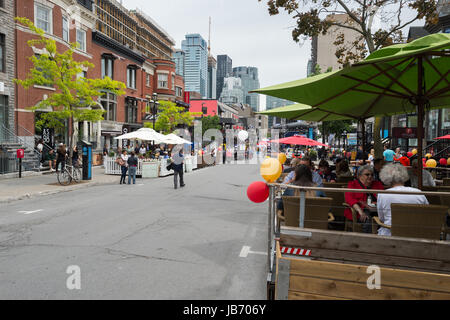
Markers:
<point>125,45</point>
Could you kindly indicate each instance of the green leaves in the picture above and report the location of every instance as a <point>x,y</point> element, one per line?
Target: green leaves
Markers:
<point>210,122</point>
<point>74,96</point>
<point>170,116</point>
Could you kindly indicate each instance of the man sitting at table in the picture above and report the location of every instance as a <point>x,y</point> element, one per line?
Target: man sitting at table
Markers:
<point>395,176</point>
<point>361,202</point>
<point>427,178</point>
<point>361,156</point>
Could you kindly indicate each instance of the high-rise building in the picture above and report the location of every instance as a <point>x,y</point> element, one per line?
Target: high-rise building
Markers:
<point>179,57</point>
<point>232,91</point>
<point>196,64</point>
<point>212,78</point>
<point>272,103</point>
<point>224,70</point>
<point>250,81</point>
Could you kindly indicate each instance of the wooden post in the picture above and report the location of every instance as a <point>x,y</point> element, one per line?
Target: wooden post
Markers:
<point>302,209</point>
<point>420,118</point>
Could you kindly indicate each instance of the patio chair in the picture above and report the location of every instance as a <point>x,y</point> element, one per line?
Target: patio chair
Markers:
<point>337,209</point>
<point>446,182</point>
<point>345,180</point>
<point>317,213</point>
<point>417,221</point>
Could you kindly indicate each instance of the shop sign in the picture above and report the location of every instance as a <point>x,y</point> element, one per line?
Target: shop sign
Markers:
<point>404,133</point>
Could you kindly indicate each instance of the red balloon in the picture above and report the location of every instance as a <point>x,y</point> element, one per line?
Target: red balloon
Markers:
<point>258,192</point>
<point>443,162</point>
<point>409,154</point>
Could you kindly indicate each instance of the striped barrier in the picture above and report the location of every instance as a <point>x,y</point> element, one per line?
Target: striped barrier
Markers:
<point>296,251</point>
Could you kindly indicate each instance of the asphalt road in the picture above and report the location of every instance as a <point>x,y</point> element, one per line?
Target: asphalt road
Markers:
<point>143,241</point>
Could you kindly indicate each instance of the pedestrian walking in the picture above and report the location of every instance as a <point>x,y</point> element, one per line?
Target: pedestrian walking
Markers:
<point>75,156</point>
<point>132,167</point>
<point>122,161</point>
<point>178,160</point>
<point>61,155</point>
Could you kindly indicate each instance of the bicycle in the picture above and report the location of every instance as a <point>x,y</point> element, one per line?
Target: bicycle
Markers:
<point>68,174</point>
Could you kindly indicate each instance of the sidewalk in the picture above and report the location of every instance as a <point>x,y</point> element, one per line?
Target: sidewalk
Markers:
<point>45,184</point>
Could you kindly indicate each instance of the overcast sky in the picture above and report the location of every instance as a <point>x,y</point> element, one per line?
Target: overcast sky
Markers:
<point>242,29</point>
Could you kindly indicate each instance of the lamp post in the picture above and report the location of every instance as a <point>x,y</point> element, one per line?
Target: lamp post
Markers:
<point>345,138</point>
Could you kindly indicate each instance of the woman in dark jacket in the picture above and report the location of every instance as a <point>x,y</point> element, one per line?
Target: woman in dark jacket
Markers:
<point>61,155</point>
<point>132,167</point>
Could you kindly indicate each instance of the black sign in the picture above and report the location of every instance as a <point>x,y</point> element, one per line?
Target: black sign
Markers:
<point>48,136</point>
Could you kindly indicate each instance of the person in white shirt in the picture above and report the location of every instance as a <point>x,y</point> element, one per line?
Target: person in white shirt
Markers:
<point>427,178</point>
<point>395,176</point>
<point>142,150</point>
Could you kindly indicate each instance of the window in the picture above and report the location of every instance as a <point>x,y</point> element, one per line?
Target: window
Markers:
<point>107,67</point>
<point>163,81</point>
<point>131,78</point>
<point>47,81</point>
<point>65,29</point>
<point>43,17</point>
<point>82,74</point>
<point>81,39</point>
<point>2,3</point>
<point>148,80</point>
<point>173,82</point>
<point>179,91</point>
<point>2,53</point>
<point>131,110</point>
<point>109,103</point>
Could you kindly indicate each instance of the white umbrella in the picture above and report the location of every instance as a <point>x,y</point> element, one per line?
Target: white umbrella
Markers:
<point>174,139</point>
<point>145,134</point>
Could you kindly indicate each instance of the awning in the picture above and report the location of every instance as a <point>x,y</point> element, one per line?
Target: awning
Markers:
<point>111,133</point>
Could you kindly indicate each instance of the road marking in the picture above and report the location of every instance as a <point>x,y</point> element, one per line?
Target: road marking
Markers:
<point>30,212</point>
<point>245,251</point>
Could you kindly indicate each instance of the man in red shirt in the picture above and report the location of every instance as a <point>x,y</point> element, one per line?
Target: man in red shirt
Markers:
<point>359,201</point>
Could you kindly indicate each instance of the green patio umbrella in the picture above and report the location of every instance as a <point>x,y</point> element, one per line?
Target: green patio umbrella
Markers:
<point>304,112</point>
<point>398,79</point>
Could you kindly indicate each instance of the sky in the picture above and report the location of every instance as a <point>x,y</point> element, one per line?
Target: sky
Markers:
<point>241,29</point>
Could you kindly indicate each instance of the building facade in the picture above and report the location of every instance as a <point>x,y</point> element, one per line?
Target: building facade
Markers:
<point>232,91</point>
<point>250,81</point>
<point>212,77</point>
<point>7,68</point>
<point>125,45</point>
<point>179,57</point>
<point>224,70</point>
<point>196,64</point>
<point>272,103</point>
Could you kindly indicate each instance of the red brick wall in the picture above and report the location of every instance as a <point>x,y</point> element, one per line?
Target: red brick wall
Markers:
<point>164,65</point>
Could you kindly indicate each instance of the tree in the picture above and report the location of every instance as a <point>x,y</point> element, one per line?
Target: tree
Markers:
<point>337,127</point>
<point>210,122</point>
<point>310,21</point>
<point>74,96</point>
<point>170,116</point>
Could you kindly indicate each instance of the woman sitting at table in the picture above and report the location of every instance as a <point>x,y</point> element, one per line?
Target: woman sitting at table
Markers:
<point>303,178</point>
<point>325,171</point>
<point>343,170</point>
<point>362,202</point>
<point>395,176</point>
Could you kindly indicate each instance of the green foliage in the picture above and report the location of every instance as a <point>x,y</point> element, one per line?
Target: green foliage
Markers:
<point>337,127</point>
<point>170,116</point>
<point>74,96</point>
<point>210,122</point>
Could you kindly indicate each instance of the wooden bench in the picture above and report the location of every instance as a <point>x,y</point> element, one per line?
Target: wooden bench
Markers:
<point>343,265</point>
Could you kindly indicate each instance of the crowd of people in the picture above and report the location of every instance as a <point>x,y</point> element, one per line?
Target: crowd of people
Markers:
<point>392,172</point>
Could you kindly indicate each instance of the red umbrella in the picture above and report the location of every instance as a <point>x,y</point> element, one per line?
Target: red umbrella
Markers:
<point>444,137</point>
<point>299,140</point>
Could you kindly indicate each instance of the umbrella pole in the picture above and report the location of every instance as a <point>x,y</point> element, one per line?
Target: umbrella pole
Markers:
<point>363,136</point>
<point>420,116</point>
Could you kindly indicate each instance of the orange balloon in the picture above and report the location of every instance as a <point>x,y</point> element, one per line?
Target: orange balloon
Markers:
<point>448,161</point>
<point>271,170</point>
<point>282,158</point>
<point>414,151</point>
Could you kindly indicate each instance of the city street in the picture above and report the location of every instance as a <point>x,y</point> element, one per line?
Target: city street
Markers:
<point>143,241</point>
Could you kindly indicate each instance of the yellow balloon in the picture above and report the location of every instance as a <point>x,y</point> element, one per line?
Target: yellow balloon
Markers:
<point>428,155</point>
<point>282,158</point>
<point>414,151</point>
<point>431,163</point>
<point>271,170</point>
<point>448,161</point>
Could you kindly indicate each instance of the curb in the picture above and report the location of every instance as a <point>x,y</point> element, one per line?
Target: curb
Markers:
<point>47,193</point>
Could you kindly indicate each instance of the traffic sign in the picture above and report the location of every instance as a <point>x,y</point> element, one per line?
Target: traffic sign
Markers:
<point>20,153</point>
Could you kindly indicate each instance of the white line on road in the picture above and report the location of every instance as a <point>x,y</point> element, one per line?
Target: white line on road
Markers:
<point>30,212</point>
<point>245,251</point>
